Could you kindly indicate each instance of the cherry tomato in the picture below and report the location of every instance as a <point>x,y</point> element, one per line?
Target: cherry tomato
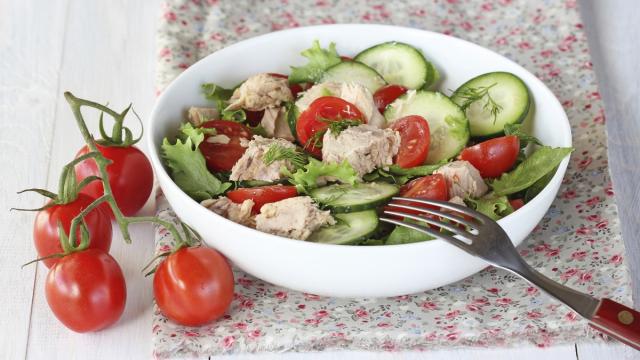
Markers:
<point>414,140</point>
<point>493,157</point>
<point>193,286</point>
<point>346,58</point>
<point>45,228</point>
<point>386,95</point>
<point>130,176</point>
<point>262,195</point>
<point>222,157</point>
<point>516,203</point>
<point>314,119</point>
<point>432,187</point>
<point>295,88</point>
<point>86,290</point>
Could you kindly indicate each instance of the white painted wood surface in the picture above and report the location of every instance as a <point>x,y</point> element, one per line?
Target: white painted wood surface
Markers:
<point>104,50</point>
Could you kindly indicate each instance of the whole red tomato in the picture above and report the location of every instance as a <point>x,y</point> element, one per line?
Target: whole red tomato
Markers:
<point>193,286</point>
<point>45,228</point>
<point>130,176</point>
<point>86,290</point>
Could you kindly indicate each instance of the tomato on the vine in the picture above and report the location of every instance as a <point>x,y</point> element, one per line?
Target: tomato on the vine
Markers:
<point>130,176</point>
<point>314,121</point>
<point>45,228</point>
<point>193,286</point>
<point>86,290</point>
<point>414,140</point>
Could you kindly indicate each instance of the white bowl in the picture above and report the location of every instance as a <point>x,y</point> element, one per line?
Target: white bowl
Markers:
<point>338,270</point>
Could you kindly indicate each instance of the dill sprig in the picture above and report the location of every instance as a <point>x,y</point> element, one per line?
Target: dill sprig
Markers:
<point>471,95</point>
<point>278,152</point>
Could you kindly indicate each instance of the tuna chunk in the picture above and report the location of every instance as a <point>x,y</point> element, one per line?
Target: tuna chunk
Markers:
<point>463,180</point>
<point>274,122</point>
<point>260,92</point>
<point>354,93</point>
<point>198,115</point>
<point>240,213</point>
<point>251,165</point>
<point>365,147</point>
<point>294,218</point>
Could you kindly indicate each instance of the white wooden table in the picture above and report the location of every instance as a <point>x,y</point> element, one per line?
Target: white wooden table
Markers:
<point>104,50</point>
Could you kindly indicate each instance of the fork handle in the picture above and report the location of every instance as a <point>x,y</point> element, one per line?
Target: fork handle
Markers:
<point>617,321</point>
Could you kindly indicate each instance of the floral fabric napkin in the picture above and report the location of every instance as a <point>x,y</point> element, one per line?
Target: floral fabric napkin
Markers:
<point>577,243</point>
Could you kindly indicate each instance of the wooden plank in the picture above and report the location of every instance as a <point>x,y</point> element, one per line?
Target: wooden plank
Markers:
<point>109,55</point>
<point>29,67</point>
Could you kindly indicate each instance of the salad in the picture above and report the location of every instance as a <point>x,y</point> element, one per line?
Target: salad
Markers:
<point>314,155</point>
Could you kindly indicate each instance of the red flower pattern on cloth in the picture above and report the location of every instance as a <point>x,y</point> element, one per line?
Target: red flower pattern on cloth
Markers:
<point>578,242</point>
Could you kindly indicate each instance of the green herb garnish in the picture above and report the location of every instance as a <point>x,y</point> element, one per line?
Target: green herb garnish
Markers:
<point>471,95</point>
<point>278,152</point>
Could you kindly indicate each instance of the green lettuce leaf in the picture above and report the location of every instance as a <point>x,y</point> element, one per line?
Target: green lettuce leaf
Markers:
<point>525,139</point>
<point>495,207</point>
<point>189,170</point>
<point>398,175</point>
<point>319,60</point>
<point>403,235</point>
<point>196,134</point>
<point>306,178</point>
<point>537,165</point>
<point>217,94</point>
<point>537,186</point>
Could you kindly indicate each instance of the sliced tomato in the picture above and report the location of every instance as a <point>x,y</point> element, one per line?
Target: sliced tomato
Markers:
<point>222,157</point>
<point>516,203</point>
<point>414,140</point>
<point>346,58</point>
<point>386,95</point>
<point>313,122</point>
<point>262,195</point>
<point>432,187</point>
<point>493,157</point>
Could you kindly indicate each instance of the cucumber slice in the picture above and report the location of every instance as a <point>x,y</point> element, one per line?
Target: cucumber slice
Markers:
<point>399,64</point>
<point>448,126</point>
<point>342,198</point>
<point>357,72</point>
<point>292,119</point>
<point>503,91</point>
<point>350,228</point>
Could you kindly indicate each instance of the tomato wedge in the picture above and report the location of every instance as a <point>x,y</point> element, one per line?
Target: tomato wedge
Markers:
<point>386,95</point>
<point>493,157</point>
<point>432,187</point>
<point>222,157</point>
<point>262,195</point>
<point>313,122</point>
<point>516,203</point>
<point>414,140</point>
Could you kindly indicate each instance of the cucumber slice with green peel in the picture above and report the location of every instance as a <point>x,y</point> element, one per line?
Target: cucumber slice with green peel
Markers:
<point>350,228</point>
<point>354,71</point>
<point>348,198</point>
<point>491,101</point>
<point>448,126</point>
<point>399,64</point>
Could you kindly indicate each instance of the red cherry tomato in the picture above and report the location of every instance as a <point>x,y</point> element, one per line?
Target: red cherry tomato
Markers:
<point>193,286</point>
<point>262,195</point>
<point>222,157</point>
<point>516,203</point>
<point>45,228</point>
<point>86,290</point>
<point>493,157</point>
<point>386,95</point>
<point>314,119</point>
<point>346,58</point>
<point>414,140</point>
<point>432,187</point>
<point>130,176</point>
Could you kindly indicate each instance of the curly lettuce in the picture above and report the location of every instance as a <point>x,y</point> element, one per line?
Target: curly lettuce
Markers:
<point>307,177</point>
<point>495,207</point>
<point>188,167</point>
<point>319,60</point>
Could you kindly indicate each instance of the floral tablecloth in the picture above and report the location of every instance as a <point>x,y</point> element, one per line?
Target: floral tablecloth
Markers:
<point>577,243</point>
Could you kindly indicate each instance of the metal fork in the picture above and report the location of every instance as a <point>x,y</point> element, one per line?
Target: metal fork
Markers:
<point>480,236</point>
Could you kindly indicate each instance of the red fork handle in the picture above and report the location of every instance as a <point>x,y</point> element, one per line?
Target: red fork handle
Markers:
<point>618,321</point>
